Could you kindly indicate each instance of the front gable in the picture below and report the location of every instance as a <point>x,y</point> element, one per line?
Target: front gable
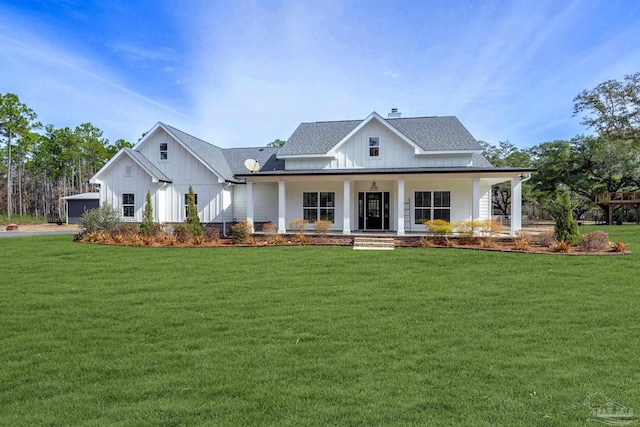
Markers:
<point>379,143</point>
<point>177,159</point>
<point>383,127</point>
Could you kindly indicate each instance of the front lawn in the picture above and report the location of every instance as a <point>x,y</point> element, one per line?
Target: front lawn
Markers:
<point>103,335</point>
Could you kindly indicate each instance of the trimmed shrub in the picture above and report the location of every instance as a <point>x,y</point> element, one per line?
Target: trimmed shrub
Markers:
<point>438,227</point>
<point>322,227</point>
<point>490,227</point>
<point>241,232</point>
<point>596,241</point>
<point>298,226</point>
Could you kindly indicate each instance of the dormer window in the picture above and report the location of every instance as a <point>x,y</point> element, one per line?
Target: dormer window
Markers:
<point>374,146</point>
<point>164,155</point>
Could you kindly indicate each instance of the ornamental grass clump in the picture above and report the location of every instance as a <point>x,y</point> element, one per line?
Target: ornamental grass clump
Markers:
<point>562,246</point>
<point>620,246</point>
<point>522,241</point>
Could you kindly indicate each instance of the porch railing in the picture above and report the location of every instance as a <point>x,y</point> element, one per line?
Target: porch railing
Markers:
<point>632,196</point>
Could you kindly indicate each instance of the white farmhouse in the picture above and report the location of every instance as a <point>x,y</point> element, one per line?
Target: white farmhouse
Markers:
<point>380,174</point>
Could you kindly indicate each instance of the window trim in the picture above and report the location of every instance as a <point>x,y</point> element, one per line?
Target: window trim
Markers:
<point>375,146</point>
<point>434,210</point>
<point>164,151</point>
<point>126,206</point>
<point>186,196</point>
<point>323,208</point>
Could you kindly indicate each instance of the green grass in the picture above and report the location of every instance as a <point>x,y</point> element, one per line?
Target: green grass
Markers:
<point>101,335</point>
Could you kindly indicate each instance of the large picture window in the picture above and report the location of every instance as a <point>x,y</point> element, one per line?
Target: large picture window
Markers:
<point>128,205</point>
<point>318,206</point>
<point>432,205</point>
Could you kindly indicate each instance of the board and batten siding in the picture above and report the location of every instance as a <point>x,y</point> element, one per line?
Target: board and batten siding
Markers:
<point>265,202</point>
<point>394,153</point>
<point>181,166</point>
<point>125,176</point>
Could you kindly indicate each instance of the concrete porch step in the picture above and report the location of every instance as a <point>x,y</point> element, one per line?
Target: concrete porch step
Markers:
<point>373,243</point>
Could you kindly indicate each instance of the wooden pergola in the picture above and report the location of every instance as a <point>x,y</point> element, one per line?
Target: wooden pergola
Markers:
<point>610,201</point>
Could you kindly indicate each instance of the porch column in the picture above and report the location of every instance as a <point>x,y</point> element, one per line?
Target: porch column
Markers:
<point>475,199</point>
<point>250,204</point>
<point>516,205</point>
<point>282,206</point>
<point>346,207</point>
<point>400,204</point>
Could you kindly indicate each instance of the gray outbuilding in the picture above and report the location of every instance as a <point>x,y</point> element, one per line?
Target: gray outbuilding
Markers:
<point>79,203</point>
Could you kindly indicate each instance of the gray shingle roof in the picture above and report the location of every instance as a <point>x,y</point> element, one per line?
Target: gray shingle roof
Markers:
<point>317,138</point>
<point>436,133</point>
<point>429,133</point>
<point>146,163</point>
<point>266,157</point>
<point>211,155</point>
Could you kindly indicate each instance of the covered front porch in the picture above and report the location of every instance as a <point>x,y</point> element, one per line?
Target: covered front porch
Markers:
<point>380,203</point>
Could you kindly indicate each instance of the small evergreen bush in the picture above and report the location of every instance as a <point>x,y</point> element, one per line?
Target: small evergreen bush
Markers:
<point>192,215</point>
<point>241,232</point>
<point>561,210</point>
<point>147,228</point>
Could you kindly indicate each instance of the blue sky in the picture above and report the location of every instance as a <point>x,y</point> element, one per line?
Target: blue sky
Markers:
<point>242,73</point>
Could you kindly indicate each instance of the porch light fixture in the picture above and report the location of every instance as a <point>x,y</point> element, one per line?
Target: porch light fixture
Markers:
<point>374,186</point>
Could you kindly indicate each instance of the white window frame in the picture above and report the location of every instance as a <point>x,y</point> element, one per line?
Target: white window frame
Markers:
<point>324,208</point>
<point>186,196</point>
<point>432,208</point>
<point>126,205</point>
<point>374,147</point>
<point>164,151</point>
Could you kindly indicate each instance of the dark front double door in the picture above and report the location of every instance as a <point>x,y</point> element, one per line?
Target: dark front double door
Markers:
<point>373,210</point>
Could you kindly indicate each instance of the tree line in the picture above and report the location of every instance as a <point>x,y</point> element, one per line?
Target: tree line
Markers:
<point>41,165</point>
<point>584,166</point>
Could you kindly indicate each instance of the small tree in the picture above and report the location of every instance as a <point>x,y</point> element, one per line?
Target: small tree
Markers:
<point>147,228</point>
<point>566,227</point>
<point>192,215</point>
